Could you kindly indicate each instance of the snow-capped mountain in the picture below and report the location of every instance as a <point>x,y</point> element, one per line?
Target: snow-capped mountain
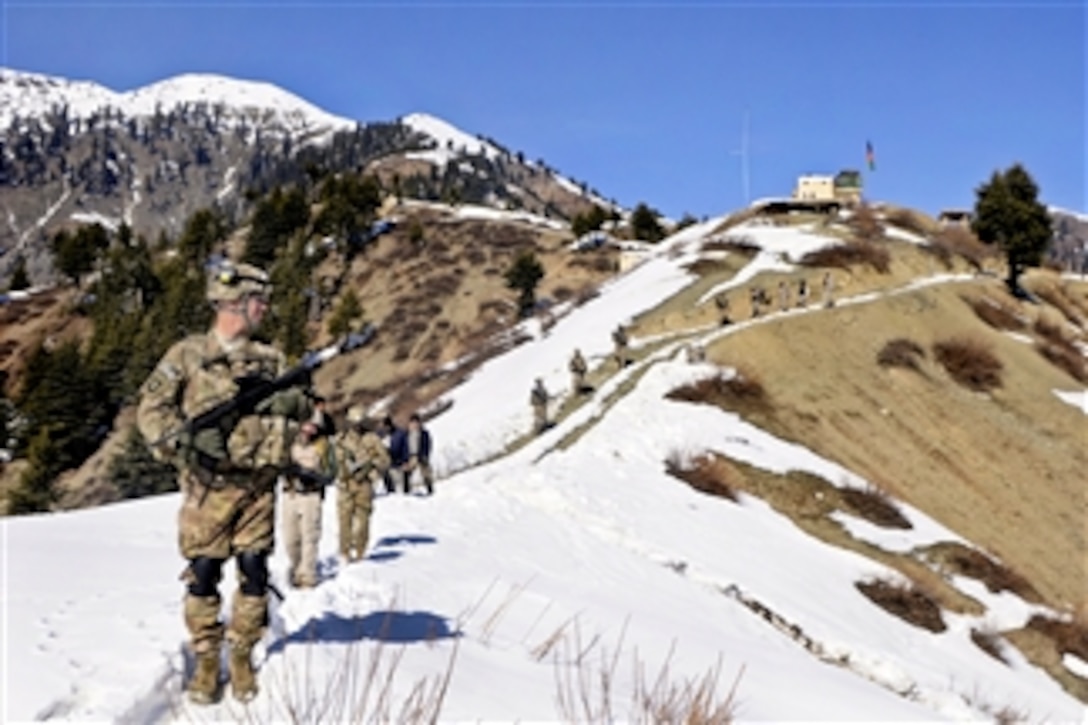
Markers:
<point>33,95</point>
<point>74,150</point>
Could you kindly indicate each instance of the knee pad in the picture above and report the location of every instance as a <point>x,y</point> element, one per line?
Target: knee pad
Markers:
<point>206,573</point>
<point>253,571</point>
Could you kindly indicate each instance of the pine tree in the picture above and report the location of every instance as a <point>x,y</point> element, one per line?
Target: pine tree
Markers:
<point>348,311</point>
<point>588,221</point>
<point>35,491</point>
<point>136,473</point>
<point>19,278</point>
<point>645,225</point>
<point>1008,213</point>
<point>524,276</point>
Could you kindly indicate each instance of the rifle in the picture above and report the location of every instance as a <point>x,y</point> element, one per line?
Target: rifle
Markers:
<point>310,478</point>
<point>253,392</point>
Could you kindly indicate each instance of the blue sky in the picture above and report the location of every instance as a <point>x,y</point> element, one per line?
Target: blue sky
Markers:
<point>645,101</point>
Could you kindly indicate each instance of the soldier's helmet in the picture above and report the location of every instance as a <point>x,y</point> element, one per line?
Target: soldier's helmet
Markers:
<point>356,415</point>
<point>229,282</point>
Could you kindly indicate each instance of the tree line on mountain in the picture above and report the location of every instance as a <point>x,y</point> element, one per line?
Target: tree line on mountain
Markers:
<point>140,299</point>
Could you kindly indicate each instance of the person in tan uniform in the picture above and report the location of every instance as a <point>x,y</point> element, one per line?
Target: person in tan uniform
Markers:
<point>226,472</point>
<point>578,370</point>
<point>303,496</point>
<point>362,461</point>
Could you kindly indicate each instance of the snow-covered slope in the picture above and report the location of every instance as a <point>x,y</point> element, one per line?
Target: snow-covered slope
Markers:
<point>526,571</point>
<point>32,94</point>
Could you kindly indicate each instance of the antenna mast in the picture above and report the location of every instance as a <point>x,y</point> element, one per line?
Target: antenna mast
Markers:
<point>744,159</point>
<point>743,153</point>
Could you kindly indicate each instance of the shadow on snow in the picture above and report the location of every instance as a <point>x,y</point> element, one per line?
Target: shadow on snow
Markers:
<point>384,626</point>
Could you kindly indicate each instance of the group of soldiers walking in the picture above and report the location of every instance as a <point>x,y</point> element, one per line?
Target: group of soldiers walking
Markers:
<point>539,397</point>
<point>229,473</point>
<point>760,300</point>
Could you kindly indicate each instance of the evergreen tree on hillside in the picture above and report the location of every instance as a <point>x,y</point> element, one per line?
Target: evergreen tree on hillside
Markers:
<point>201,233</point>
<point>347,313</point>
<point>34,491</point>
<point>1008,213</point>
<point>645,224</point>
<point>276,218</point>
<point>524,276</point>
<point>589,221</point>
<point>136,473</point>
<point>19,278</point>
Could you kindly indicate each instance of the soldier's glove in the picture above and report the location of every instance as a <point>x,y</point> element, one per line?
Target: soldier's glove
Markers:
<point>292,403</point>
<point>205,449</point>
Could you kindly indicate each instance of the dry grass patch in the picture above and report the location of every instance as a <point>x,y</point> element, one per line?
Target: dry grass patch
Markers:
<point>1068,637</point>
<point>961,242</point>
<point>1060,350</point>
<point>741,245</point>
<point>742,393</point>
<point>909,220</point>
<point>706,473</point>
<point>704,266</point>
<point>1066,358</point>
<point>1056,298</point>
<point>971,363</point>
<point>995,314</point>
<point>901,353</point>
<point>906,601</point>
<point>850,255</point>
<point>965,561</point>
<point>875,506</point>
<point>989,641</point>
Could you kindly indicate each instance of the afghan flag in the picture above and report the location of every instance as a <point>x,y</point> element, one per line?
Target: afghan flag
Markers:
<point>869,157</point>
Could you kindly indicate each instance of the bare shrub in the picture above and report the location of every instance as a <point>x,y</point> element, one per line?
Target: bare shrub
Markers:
<point>586,674</point>
<point>741,245</point>
<point>1066,358</point>
<point>970,363</point>
<point>703,266</point>
<point>997,577</point>
<point>361,688</point>
<point>1068,637</point>
<point>586,294</point>
<point>1060,350</point>
<point>962,242</point>
<point>865,225</point>
<point>563,293</point>
<point>742,392</point>
<point>995,314</point>
<point>850,255</point>
<point>909,220</point>
<point>705,473</point>
<point>1056,298</point>
<point>989,642</point>
<point>901,353</point>
<point>906,601</point>
<point>875,505</point>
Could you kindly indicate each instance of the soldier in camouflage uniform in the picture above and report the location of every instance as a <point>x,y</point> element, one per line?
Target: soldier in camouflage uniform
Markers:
<point>227,472</point>
<point>619,339</point>
<point>362,461</point>
<point>578,369</point>
<point>538,398</point>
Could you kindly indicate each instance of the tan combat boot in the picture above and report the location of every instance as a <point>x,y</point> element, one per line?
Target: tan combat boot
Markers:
<point>204,686</point>
<point>243,682</point>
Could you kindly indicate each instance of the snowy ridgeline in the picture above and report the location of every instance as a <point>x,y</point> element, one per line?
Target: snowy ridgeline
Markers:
<point>515,567</point>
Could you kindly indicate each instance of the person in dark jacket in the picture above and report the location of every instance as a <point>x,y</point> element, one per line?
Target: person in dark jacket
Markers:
<point>394,438</point>
<point>413,454</point>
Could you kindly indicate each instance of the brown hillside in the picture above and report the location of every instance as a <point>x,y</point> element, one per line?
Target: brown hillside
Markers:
<point>1004,469</point>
